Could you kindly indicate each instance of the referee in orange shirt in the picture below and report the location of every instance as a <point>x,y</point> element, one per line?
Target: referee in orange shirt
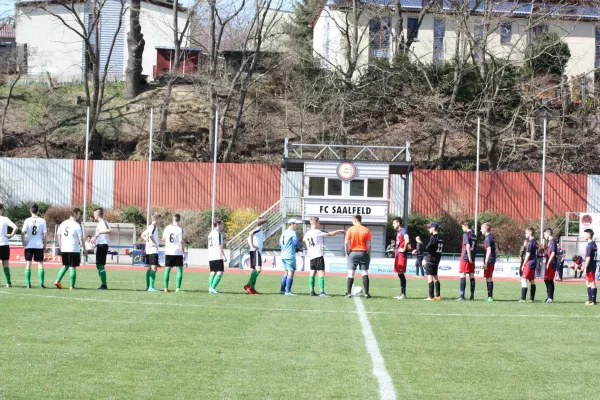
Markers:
<point>358,253</point>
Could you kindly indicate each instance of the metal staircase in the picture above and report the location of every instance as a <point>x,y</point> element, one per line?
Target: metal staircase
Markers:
<point>275,216</point>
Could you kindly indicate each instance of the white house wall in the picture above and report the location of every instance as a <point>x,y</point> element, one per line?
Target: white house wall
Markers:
<point>53,47</point>
<point>579,35</point>
<point>157,28</point>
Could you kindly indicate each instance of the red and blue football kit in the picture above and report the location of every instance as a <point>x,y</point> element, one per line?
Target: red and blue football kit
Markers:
<point>489,243</point>
<point>551,268</point>
<point>469,245</point>
<point>401,259</point>
<point>591,251</point>
<point>529,268</point>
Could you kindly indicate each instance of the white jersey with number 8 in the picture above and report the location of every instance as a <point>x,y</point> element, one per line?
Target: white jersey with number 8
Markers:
<point>172,235</point>
<point>34,229</point>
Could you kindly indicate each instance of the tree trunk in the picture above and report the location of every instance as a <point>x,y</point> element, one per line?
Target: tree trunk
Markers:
<point>164,115</point>
<point>135,48</point>
<point>8,98</point>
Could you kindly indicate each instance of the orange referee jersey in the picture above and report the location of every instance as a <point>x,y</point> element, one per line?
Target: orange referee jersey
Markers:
<point>358,236</point>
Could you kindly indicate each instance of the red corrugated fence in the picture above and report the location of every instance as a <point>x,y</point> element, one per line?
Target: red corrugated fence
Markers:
<point>188,186</point>
<point>515,194</point>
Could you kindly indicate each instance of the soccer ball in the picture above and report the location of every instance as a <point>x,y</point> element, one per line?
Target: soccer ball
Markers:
<point>357,291</point>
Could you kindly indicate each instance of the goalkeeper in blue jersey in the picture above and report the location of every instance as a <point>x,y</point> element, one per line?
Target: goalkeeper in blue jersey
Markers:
<point>289,244</point>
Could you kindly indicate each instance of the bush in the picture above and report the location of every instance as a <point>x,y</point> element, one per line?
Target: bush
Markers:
<point>240,219</point>
<point>54,216</point>
<point>132,215</point>
<point>19,213</point>
<point>196,224</point>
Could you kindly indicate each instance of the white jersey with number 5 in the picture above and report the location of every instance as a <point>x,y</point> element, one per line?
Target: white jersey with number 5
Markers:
<point>70,232</point>
<point>172,235</point>
<point>215,238</point>
<point>314,243</point>
<point>34,229</point>
<point>151,248</point>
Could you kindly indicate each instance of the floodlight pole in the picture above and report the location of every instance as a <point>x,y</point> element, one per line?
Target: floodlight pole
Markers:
<point>85,168</point>
<point>149,198</point>
<point>407,187</point>
<point>543,180</point>
<point>477,175</point>
<point>214,183</point>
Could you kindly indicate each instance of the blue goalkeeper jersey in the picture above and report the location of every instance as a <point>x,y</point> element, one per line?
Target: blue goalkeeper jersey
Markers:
<point>289,244</point>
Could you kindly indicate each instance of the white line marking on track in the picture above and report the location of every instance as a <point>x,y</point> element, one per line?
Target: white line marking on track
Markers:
<point>384,380</point>
<point>208,306</point>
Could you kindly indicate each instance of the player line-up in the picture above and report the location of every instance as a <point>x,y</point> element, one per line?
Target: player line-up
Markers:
<point>357,247</point>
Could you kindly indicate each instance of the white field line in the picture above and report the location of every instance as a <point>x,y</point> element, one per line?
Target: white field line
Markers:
<point>10,292</point>
<point>384,380</point>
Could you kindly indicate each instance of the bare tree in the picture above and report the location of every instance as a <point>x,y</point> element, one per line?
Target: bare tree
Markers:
<point>89,32</point>
<point>12,68</point>
<point>135,48</point>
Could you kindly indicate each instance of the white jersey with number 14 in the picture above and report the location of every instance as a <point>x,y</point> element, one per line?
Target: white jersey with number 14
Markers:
<point>314,243</point>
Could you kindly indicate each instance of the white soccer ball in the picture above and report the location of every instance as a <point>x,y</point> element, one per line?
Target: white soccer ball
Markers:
<point>357,291</point>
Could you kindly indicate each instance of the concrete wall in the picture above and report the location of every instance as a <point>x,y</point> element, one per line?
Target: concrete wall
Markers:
<point>53,47</point>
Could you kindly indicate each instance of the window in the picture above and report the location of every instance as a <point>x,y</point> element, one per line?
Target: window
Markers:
<point>375,188</point>
<point>380,34</point>
<point>334,187</point>
<point>412,25</point>
<point>536,32</point>
<point>439,31</point>
<point>357,188</point>
<point>505,33</point>
<point>597,47</point>
<point>316,186</point>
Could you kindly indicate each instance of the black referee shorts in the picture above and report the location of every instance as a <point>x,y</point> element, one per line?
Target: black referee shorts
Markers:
<point>101,252</point>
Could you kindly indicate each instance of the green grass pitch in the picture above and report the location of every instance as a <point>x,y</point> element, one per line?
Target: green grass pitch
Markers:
<point>130,344</point>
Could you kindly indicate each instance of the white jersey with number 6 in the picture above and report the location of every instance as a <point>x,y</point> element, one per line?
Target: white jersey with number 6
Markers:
<point>34,229</point>
<point>172,235</point>
<point>215,238</point>
<point>70,232</point>
<point>314,243</point>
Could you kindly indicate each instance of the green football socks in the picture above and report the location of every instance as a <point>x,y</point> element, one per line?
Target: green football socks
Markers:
<point>216,281</point>
<point>253,278</point>
<point>148,270</point>
<point>101,273</point>
<point>179,277</point>
<point>322,284</point>
<point>167,274</point>
<point>72,276</point>
<point>41,275</point>
<point>151,279</point>
<point>311,283</point>
<point>61,274</point>
<point>7,275</point>
<point>28,277</point>
<point>211,278</point>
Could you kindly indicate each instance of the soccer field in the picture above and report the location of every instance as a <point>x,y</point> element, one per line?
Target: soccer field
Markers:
<point>128,344</point>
